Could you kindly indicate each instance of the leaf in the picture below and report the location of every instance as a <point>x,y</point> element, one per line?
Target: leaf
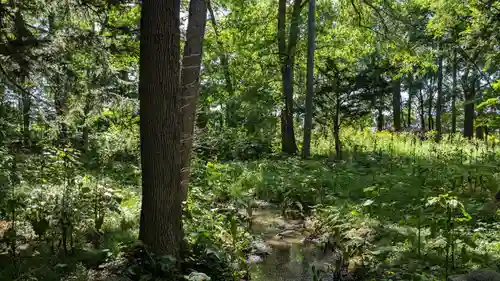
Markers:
<point>214,252</point>
<point>198,276</point>
<point>369,189</point>
<point>368,202</point>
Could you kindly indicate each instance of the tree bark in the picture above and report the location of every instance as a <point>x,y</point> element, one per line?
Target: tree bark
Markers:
<point>469,111</point>
<point>306,148</point>
<point>191,66</point>
<point>380,116</point>
<point>3,116</point>
<point>410,96</point>
<point>336,128</point>
<point>287,55</point>
<point>479,95</point>
<point>429,108</point>
<point>469,94</point>
<point>396,104</point>
<point>480,132</point>
<point>454,94</point>
<point>160,100</point>
<point>439,102</point>
<point>422,111</point>
<point>26,108</point>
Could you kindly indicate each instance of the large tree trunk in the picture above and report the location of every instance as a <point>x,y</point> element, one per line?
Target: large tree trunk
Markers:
<point>191,65</point>
<point>396,104</point>
<point>454,94</point>
<point>287,55</point>
<point>306,148</point>
<point>439,102</point>
<point>160,106</point>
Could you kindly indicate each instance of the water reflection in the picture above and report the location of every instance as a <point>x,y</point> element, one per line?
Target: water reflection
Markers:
<point>292,263</point>
<point>288,259</point>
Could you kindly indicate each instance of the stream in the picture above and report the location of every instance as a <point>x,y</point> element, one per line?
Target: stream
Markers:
<point>288,257</point>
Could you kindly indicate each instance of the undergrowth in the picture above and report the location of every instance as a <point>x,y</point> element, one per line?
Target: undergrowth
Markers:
<point>395,205</point>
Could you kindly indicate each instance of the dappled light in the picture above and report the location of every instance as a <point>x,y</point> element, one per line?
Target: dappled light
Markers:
<point>249,140</point>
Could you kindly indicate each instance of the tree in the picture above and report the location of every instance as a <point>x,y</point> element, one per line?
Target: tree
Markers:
<point>160,97</point>
<point>454,94</point>
<point>287,58</point>
<point>396,104</point>
<point>306,148</point>
<point>191,66</point>
<point>224,61</point>
<point>469,89</point>
<point>439,101</point>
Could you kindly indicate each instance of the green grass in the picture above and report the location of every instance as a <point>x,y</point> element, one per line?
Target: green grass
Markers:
<point>402,203</point>
<point>396,204</point>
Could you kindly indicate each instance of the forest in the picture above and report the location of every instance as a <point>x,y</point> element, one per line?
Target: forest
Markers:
<point>238,140</point>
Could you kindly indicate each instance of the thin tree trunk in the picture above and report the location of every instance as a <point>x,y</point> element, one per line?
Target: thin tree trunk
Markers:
<point>282,56</point>
<point>422,110</point>
<point>396,104</point>
<point>439,102</point>
<point>469,95</point>
<point>60,101</point>
<point>336,128</point>
<point>3,116</point>
<point>429,108</point>
<point>26,108</point>
<point>306,148</point>
<point>225,66</point>
<point>479,94</point>
<point>380,116</point>
<point>410,96</point>
<point>191,66</point>
<point>86,130</point>
<point>480,132</point>
<point>469,111</point>
<point>160,106</point>
<point>454,94</point>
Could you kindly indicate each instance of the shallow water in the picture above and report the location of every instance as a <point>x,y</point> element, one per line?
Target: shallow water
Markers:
<point>288,259</point>
<point>290,264</point>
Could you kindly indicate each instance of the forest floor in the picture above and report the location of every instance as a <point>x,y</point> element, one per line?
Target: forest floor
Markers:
<point>400,209</point>
<point>392,209</point>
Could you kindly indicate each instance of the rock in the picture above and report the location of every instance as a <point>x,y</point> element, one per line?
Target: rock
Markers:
<point>261,247</point>
<point>477,275</point>
<point>91,258</point>
<point>288,233</point>
<point>252,259</point>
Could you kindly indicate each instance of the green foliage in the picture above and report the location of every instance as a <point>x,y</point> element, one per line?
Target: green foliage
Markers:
<point>395,204</point>
<point>69,138</point>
